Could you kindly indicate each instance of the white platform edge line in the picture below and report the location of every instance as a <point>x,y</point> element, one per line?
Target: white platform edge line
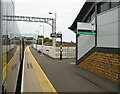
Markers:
<point>22,84</point>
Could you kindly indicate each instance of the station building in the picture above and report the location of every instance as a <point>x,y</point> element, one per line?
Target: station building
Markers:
<point>99,53</point>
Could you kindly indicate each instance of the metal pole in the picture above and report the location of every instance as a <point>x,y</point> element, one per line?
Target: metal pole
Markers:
<point>61,48</point>
<point>43,40</point>
<point>76,48</point>
<point>96,24</point>
<point>36,41</point>
<point>55,21</point>
<point>53,31</point>
<point>43,33</point>
<point>54,28</point>
<point>42,45</point>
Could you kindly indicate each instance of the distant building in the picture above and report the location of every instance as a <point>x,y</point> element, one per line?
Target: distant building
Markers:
<point>100,52</point>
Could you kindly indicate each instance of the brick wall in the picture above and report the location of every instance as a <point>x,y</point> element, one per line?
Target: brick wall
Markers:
<point>104,64</point>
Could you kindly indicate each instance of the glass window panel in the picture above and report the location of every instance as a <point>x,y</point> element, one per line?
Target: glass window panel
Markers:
<point>105,6</point>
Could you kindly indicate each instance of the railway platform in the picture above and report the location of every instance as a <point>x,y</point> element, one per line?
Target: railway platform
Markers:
<point>44,74</point>
<point>33,78</point>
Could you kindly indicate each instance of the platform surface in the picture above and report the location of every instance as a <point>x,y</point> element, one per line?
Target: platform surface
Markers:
<point>45,74</point>
<point>33,78</point>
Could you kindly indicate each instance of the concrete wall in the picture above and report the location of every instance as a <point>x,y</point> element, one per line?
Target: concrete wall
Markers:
<point>107,34</point>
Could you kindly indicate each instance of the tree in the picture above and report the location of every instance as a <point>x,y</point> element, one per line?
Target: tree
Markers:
<point>46,39</point>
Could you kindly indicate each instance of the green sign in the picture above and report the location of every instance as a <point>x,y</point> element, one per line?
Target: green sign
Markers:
<point>85,33</point>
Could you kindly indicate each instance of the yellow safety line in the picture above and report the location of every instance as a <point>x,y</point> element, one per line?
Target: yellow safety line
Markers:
<point>44,76</point>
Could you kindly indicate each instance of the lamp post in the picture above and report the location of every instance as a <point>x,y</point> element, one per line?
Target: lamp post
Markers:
<point>54,28</point>
<point>55,18</point>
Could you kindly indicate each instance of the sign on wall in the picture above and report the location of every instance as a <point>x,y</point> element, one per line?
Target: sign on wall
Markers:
<point>85,28</point>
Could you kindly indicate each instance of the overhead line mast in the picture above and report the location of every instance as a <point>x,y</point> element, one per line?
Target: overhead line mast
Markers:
<point>32,19</point>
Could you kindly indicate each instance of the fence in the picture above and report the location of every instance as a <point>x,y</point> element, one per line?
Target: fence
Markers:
<point>54,52</point>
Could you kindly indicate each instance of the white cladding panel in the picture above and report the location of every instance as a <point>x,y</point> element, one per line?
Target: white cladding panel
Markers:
<point>119,27</point>
<point>107,29</point>
<point>109,41</point>
<point>85,26</point>
<point>107,17</point>
<point>85,43</point>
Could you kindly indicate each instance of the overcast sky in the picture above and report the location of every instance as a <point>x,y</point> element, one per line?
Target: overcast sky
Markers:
<point>66,11</point>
